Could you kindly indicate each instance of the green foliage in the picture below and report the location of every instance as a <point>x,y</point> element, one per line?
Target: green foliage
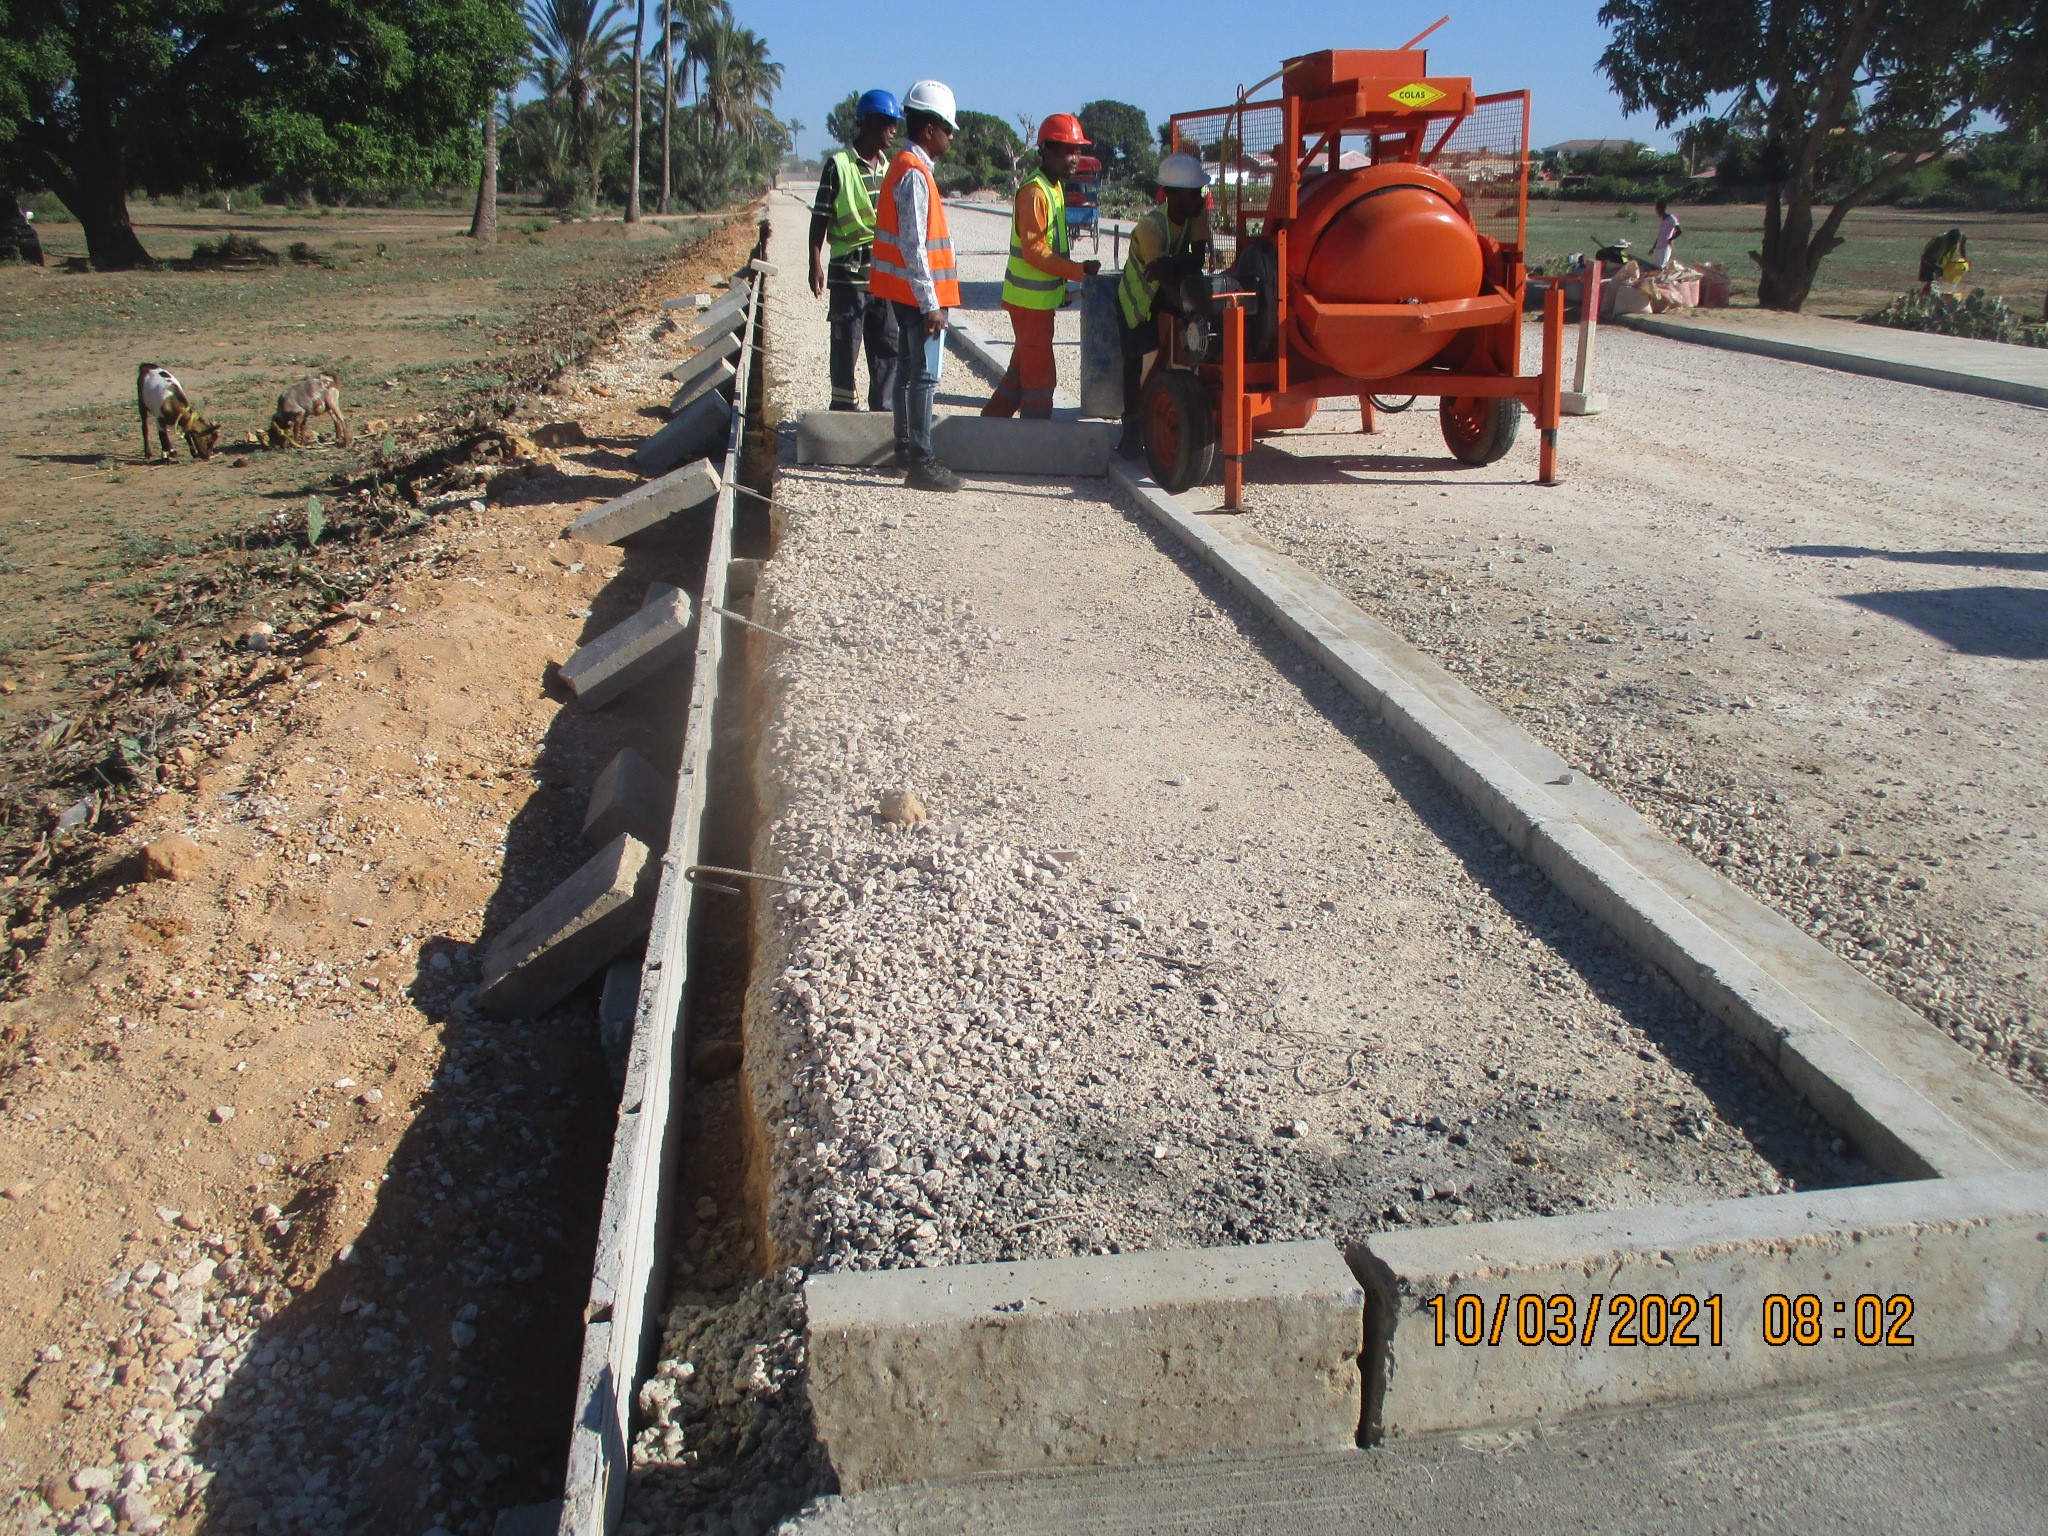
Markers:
<point>100,100</point>
<point>1123,141</point>
<point>1979,316</point>
<point>843,121</point>
<point>1843,100</point>
<point>986,153</point>
<point>316,520</point>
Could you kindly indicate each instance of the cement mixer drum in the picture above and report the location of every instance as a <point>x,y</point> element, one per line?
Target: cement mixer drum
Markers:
<point>1382,234</point>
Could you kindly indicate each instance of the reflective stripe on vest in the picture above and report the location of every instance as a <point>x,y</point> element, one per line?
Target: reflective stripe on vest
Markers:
<point>853,211</point>
<point>1135,294</point>
<point>1023,284</point>
<point>890,279</point>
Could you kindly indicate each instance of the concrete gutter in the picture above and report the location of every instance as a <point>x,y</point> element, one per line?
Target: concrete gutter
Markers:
<point>623,1312</point>
<point>1915,1103</point>
<point>1954,363</point>
<point>1941,1270</point>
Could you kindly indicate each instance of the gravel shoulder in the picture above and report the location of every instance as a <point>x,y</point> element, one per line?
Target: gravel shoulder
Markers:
<point>1797,618</point>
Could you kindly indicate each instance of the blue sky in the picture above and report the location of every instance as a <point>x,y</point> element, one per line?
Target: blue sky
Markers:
<point>1043,56</point>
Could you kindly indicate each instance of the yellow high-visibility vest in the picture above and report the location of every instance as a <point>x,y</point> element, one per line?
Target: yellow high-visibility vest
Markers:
<point>1023,284</point>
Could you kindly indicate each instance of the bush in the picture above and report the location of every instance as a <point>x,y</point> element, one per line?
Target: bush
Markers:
<point>1979,317</point>
<point>234,251</point>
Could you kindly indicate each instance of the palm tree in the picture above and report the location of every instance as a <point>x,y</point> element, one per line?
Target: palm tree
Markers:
<point>668,103</point>
<point>578,44</point>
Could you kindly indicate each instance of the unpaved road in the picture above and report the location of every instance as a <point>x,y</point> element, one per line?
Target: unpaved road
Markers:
<point>1798,618</point>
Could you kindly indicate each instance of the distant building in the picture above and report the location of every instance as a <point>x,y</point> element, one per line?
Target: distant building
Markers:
<point>1594,146</point>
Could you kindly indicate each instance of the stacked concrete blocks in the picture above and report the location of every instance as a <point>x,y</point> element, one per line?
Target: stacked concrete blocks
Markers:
<point>629,653</point>
<point>576,928</point>
<point>721,320</point>
<point>924,1374</point>
<point>694,485</point>
<point>630,796</point>
<point>698,431</point>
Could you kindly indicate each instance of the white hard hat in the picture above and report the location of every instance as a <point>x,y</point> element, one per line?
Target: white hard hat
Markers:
<point>1182,170</point>
<point>933,97</point>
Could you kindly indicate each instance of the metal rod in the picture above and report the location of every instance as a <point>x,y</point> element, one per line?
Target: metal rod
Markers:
<point>740,618</point>
<point>691,872</point>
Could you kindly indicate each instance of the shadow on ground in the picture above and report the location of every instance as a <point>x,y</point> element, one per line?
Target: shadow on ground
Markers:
<point>2011,622</point>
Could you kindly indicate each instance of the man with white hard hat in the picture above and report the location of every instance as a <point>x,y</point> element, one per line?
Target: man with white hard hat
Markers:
<point>1169,243</point>
<point>915,270</point>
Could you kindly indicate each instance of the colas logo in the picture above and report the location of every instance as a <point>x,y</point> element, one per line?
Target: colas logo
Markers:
<point>1417,95</point>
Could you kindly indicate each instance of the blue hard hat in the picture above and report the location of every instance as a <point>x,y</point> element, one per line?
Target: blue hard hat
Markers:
<point>879,104</point>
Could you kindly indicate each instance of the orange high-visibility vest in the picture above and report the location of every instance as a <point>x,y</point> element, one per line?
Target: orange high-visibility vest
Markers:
<point>890,279</point>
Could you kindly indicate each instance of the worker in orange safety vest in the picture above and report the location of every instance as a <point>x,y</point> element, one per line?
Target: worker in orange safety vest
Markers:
<point>916,271</point>
<point>1035,282</point>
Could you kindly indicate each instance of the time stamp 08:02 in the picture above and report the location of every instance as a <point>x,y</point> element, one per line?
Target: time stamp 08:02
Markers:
<point>1651,1320</point>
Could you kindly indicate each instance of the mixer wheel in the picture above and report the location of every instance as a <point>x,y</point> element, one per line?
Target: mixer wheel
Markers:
<point>1479,430</point>
<point>1180,431</point>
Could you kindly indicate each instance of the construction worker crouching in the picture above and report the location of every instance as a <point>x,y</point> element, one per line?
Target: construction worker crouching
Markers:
<point>843,217</point>
<point>1035,282</point>
<point>1169,242</point>
<point>916,271</point>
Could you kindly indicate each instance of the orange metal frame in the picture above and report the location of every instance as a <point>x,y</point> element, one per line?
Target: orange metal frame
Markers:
<point>1320,104</point>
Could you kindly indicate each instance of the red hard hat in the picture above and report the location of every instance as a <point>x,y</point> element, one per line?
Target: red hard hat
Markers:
<point>1062,128</point>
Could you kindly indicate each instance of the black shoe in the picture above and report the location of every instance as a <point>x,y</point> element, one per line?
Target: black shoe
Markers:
<point>931,475</point>
<point>844,405</point>
<point>1130,446</point>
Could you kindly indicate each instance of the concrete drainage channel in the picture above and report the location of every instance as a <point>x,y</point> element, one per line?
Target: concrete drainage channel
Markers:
<point>943,1372</point>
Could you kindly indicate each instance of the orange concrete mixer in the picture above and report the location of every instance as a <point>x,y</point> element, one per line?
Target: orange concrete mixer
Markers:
<point>1379,215</point>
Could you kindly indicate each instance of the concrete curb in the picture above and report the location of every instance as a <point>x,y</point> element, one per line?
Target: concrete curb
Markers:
<point>1915,1103</point>
<point>1969,1257</point>
<point>1953,380</point>
<point>979,352</point>
<point>923,1374</point>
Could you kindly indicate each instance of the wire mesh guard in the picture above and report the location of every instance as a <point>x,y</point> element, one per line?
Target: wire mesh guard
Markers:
<point>1486,158</point>
<point>1239,150</point>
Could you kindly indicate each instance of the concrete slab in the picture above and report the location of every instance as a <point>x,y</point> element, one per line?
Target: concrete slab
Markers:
<point>700,429</point>
<point>933,1373</point>
<point>1935,1452</point>
<point>630,652</point>
<point>971,444</point>
<point>687,301</point>
<point>1902,1274</point>
<point>719,376</point>
<point>694,366</point>
<point>578,926</point>
<point>630,795</point>
<point>1994,369</point>
<point>694,485</point>
<point>720,321</point>
<point>1913,1101</point>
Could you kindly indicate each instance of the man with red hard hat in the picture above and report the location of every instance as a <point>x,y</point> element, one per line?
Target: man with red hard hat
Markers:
<point>1035,282</point>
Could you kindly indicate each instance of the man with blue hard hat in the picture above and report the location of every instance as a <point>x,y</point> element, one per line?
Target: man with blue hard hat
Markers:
<point>843,218</point>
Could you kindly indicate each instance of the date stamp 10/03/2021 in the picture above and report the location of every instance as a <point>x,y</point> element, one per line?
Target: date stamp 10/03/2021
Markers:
<point>1650,1321</point>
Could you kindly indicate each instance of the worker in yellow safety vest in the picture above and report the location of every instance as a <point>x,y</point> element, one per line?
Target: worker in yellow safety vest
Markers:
<point>916,271</point>
<point>1035,282</point>
<point>843,220</point>
<point>1169,243</point>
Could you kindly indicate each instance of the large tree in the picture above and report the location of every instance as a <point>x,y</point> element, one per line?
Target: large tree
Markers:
<point>1123,141</point>
<point>1846,96</point>
<point>102,98</point>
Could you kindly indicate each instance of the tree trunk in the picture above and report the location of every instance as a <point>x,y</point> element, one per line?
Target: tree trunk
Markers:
<point>633,138</point>
<point>98,199</point>
<point>668,104</point>
<point>483,225</point>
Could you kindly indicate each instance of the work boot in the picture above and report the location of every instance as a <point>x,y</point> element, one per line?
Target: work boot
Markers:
<point>931,475</point>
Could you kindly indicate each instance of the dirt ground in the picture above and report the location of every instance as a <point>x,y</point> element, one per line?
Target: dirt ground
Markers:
<point>293,1240</point>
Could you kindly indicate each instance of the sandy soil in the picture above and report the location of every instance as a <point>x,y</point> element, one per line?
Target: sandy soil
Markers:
<point>294,1240</point>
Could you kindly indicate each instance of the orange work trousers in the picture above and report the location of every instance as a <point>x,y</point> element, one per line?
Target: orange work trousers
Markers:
<point>1027,388</point>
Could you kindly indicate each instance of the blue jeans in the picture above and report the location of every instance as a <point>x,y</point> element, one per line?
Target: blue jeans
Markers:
<point>916,385</point>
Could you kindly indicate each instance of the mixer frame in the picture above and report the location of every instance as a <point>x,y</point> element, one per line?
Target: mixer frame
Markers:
<point>1388,98</point>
